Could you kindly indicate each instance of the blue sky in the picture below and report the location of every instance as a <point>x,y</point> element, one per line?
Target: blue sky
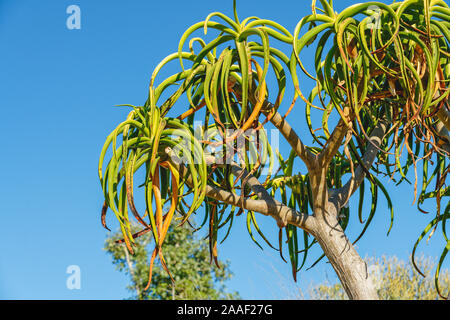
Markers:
<point>57,92</point>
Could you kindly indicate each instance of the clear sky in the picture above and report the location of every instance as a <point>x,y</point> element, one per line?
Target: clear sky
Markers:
<point>57,92</point>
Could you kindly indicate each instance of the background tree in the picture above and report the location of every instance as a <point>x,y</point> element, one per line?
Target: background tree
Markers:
<point>378,106</point>
<point>195,278</point>
<point>394,279</point>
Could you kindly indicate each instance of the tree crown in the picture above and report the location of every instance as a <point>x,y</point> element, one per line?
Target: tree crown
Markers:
<point>380,77</point>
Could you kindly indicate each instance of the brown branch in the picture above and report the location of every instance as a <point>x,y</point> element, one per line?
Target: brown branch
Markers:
<point>268,109</point>
<point>340,131</point>
<point>266,205</point>
<point>293,139</point>
<point>333,144</point>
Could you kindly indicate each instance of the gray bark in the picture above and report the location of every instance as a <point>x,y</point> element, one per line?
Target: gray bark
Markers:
<point>348,265</point>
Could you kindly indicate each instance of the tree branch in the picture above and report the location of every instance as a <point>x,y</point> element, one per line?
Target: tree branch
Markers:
<point>444,116</point>
<point>292,138</point>
<point>444,134</point>
<point>286,130</point>
<point>131,268</point>
<point>341,196</point>
<point>267,205</point>
<point>333,143</point>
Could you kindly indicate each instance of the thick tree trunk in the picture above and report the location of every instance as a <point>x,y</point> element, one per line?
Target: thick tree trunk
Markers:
<point>349,267</point>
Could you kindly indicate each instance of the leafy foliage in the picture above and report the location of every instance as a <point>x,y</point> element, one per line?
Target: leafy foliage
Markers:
<point>188,258</point>
<point>373,63</point>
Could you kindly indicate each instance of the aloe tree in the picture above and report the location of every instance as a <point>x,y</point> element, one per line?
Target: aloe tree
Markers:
<point>378,108</point>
